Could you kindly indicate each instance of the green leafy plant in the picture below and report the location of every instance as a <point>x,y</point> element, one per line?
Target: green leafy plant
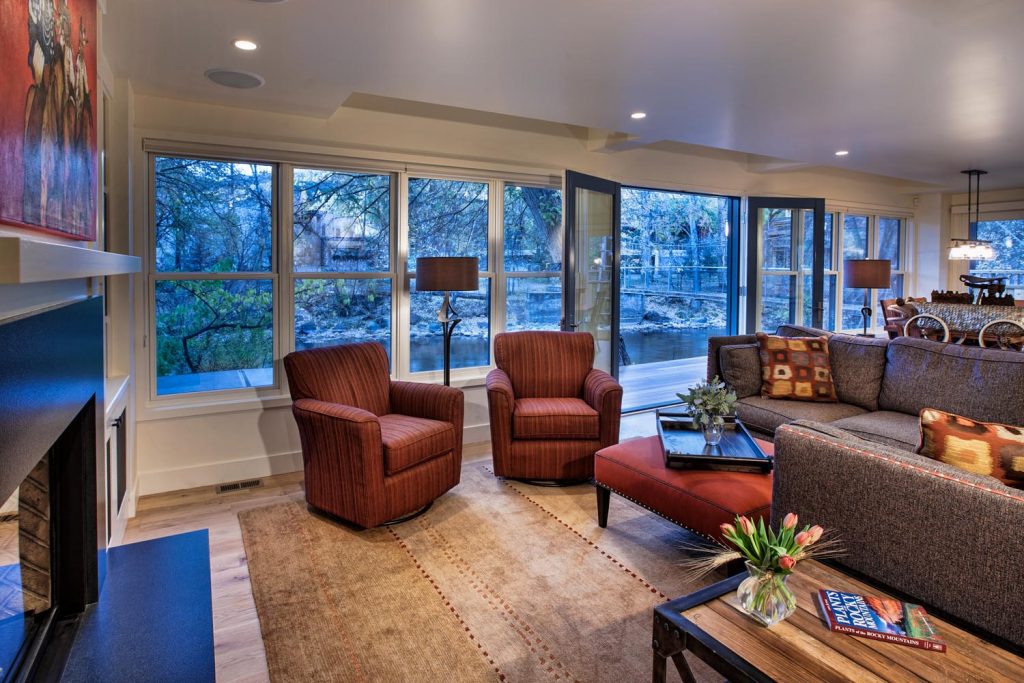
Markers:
<point>709,402</point>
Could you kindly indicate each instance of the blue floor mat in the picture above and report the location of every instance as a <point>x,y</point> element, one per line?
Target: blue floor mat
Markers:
<point>154,620</point>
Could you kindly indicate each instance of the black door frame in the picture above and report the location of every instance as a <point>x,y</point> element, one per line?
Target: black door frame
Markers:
<point>581,181</point>
<point>754,206</point>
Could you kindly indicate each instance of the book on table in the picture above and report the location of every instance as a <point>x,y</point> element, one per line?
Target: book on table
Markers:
<point>885,619</point>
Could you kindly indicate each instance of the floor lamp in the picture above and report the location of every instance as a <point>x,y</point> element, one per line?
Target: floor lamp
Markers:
<point>447,274</point>
<point>867,274</point>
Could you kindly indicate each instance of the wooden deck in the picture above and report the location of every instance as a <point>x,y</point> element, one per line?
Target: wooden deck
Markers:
<point>657,383</point>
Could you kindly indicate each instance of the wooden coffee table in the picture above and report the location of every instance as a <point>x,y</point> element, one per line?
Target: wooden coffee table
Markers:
<point>709,624</point>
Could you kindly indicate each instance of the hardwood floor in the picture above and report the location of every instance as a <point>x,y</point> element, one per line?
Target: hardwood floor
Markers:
<point>238,644</point>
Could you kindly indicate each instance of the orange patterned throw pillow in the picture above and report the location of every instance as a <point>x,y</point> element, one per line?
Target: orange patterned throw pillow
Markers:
<point>986,448</point>
<point>796,368</point>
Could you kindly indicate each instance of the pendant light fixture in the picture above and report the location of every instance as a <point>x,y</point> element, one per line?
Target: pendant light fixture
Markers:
<point>972,249</point>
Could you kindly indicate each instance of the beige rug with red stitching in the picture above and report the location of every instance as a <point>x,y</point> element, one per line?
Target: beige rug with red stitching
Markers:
<point>497,581</point>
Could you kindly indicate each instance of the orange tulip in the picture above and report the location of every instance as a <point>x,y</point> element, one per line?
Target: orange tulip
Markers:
<point>789,521</point>
<point>816,532</point>
<point>728,529</point>
<point>747,526</point>
<point>803,538</point>
<point>787,562</point>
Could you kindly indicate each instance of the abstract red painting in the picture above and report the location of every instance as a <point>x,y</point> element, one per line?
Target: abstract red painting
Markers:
<point>48,107</point>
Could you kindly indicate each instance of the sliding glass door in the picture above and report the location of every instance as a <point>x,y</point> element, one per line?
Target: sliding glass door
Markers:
<point>591,208</point>
<point>790,268</point>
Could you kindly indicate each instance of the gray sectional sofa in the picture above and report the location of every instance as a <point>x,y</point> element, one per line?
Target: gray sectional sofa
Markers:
<point>948,538</point>
<point>881,384</point>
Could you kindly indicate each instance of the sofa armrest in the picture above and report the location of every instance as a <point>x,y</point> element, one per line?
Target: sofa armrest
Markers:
<point>349,414</point>
<point>501,401</point>
<point>602,393</point>
<point>716,343</point>
<point>944,536</point>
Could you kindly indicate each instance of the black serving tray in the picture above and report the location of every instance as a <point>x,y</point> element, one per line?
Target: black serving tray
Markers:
<point>685,448</point>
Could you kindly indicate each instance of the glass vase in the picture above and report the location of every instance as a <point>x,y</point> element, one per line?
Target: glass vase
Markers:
<point>765,596</point>
<point>712,433</point>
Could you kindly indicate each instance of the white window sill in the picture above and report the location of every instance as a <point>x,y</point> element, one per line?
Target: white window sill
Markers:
<point>212,403</point>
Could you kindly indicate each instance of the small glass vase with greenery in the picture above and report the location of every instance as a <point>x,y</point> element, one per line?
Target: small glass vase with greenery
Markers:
<point>710,403</point>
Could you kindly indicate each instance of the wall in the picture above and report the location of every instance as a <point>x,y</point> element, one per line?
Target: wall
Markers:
<point>216,442</point>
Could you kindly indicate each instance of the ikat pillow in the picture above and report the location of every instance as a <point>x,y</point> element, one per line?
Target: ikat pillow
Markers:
<point>986,448</point>
<point>796,368</point>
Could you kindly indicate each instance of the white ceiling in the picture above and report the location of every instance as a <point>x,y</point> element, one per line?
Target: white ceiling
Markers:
<point>915,89</point>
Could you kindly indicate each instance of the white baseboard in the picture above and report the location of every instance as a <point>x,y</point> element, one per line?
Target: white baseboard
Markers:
<point>212,473</point>
<point>209,474</point>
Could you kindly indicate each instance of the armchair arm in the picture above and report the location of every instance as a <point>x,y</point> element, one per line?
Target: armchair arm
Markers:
<point>602,393</point>
<point>430,401</point>
<point>501,401</point>
<point>340,444</point>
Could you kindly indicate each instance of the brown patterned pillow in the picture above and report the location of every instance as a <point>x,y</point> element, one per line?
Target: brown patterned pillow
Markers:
<point>796,368</point>
<point>987,448</point>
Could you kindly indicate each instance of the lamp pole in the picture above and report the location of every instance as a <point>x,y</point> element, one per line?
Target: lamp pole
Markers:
<point>448,319</point>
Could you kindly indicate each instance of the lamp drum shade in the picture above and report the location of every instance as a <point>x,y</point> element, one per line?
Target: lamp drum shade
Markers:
<point>447,274</point>
<point>867,273</point>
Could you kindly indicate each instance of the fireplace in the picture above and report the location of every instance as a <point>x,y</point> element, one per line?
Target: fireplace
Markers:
<point>52,485</point>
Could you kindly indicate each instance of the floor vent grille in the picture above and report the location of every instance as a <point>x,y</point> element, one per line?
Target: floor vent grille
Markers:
<point>239,485</point>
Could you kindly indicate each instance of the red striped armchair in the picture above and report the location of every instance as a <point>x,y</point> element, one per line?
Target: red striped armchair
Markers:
<point>374,450</point>
<point>550,409</point>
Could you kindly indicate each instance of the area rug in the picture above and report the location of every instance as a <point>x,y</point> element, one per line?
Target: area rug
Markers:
<point>498,581</point>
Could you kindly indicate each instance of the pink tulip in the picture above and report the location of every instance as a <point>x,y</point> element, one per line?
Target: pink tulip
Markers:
<point>816,532</point>
<point>787,562</point>
<point>728,529</point>
<point>747,526</point>
<point>804,538</point>
<point>789,521</point>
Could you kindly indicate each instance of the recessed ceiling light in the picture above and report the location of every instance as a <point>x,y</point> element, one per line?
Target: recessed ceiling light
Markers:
<point>843,153</point>
<point>231,78</point>
<point>246,45</point>
<point>638,115</point>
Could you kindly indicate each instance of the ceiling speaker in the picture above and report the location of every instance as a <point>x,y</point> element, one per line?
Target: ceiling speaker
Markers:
<point>231,78</point>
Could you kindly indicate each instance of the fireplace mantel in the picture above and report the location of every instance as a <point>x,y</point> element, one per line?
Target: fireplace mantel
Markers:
<point>24,261</point>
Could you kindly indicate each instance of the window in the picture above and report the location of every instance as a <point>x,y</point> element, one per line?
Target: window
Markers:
<point>890,247</point>
<point>779,268</point>
<point>1007,238</point>
<point>873,236</point>
<point>449,218</point>
<point>532,257</point>
<point>831,271</point>
<point>213,279</point>
<point>855,246</point>
<point>341,257</point>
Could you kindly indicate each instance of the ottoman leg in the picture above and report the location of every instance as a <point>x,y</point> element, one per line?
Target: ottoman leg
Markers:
<point>604,496</point>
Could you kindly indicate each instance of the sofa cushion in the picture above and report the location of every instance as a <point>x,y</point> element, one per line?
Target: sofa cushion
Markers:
<point>993,450</point>
<point>555,418</point>
<point>411,440</point>
<point>858,365</point>
<point>795,368</point>
<point>884,426</point>
<point>982,384</point>
<point>741,368</point>
<point>768,414</point>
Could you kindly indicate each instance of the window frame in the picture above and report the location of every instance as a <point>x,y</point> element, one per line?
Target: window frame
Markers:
<point>464,375</point>
<point>874,216</point>
<point>290,275</point>
<point>153,276</point>
<point>501,312</point>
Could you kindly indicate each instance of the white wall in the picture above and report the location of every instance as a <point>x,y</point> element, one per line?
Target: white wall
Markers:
<point>201,445</point>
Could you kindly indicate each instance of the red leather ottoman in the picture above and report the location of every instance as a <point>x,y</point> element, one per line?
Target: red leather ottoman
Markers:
<point>698,500</point>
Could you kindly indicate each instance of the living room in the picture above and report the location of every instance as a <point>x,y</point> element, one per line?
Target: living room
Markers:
<point>452,195</point>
